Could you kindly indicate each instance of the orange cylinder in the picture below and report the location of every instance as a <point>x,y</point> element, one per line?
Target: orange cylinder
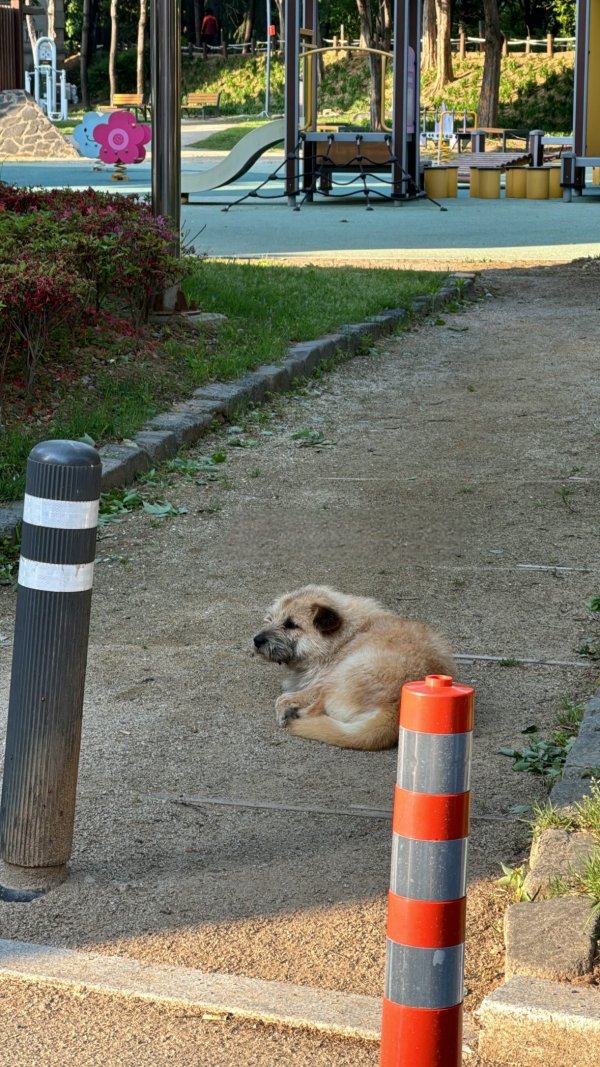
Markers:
<point>554,187</point>
<point>537,183</point>
<point>422,1006</point>
<point>436,182</point>
<point>452,180</point>
<point>488,185</point>
<point>515,182</point>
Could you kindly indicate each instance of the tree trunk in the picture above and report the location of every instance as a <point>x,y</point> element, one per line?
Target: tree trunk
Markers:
<point>94,32</point>
<point>429,51</point>
<point>112,55</point>
<point>198,16</point>
<point>50,12</point>
<point>445,73</point>
<point>31,32</point>
<point>246,30</point>
<point>490,82</point>
<point>141,36</point>
<point>281,13</point>
<point>83,57</point>
<point>379,37</point>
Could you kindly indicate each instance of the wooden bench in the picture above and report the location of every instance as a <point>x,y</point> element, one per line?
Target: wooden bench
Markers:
<point>132,102</point>
<point>200,101</point>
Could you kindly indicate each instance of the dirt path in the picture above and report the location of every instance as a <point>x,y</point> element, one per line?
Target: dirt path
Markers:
<point>456,479</point>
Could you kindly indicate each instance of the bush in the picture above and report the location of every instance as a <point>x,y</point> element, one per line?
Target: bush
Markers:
<point>36,296</point>
<point>98,85</point>
<point>62,250</point>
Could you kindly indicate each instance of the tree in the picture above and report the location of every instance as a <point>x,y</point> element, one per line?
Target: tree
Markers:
<point>83,54</point>
<point>376,32</point>
<point>281,16</point>
<point>140,46</point>
<point>490,82</point>
<point>429,49</point>
<point>112,55</point>
<point>245,30</point>
<point>445,73</point>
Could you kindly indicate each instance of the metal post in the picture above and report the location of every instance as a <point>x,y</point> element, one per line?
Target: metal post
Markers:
<point>422,1006</point>
<point>166,113</point>
<point>535,147</point>
<point>54,594</point>
<point>268,70</point>
<point>292,98</point>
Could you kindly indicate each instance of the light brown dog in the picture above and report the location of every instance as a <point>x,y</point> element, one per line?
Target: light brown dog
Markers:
<point>345,660</point>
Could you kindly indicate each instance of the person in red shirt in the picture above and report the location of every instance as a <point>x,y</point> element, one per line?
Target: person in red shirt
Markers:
<point>209,30</point>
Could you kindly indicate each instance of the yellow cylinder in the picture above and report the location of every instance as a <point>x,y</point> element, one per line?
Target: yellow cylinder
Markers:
<point>537,183</point>
<point>436,182</point>
<point>452,181</point>
<point>515,182</point>
<point>473,181</point>
<point>489,183</point>
<point>554,189</point>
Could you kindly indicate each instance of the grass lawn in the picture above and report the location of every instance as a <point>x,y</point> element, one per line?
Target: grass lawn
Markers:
<point>108,379</point>
<point>224,140</point>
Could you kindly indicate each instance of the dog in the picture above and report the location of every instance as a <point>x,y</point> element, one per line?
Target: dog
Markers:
<point>345,660</point>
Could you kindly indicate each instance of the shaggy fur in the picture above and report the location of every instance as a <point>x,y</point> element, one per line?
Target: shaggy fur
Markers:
<point>345,660</point>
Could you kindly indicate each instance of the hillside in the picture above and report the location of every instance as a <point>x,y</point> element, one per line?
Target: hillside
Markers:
<point>535,91</point>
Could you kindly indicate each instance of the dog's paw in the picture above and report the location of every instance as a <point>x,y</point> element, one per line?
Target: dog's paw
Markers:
<point>285,710</point>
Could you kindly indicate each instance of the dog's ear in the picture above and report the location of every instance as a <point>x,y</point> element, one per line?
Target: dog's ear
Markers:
<point>325,619</point>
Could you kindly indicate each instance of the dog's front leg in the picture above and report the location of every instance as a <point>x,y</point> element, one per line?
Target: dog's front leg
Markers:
<point>300,705</point>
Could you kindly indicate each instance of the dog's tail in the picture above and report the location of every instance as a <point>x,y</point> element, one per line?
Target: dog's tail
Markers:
<point>369,734</point>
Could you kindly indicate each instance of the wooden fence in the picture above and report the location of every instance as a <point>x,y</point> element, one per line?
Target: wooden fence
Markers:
<point>462,44</point>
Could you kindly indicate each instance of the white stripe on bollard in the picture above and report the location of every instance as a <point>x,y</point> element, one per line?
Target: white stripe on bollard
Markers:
<point>429,870</point>
<point>55,577</point>
<point>424,977</point>
<point>434,763</point>
<point>60,514</point>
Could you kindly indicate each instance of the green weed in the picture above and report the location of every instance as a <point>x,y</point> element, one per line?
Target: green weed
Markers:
<point>513,879</point>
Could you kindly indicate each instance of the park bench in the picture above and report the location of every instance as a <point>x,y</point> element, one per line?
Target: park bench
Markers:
<point>200,101</point>
<point>131,102</point>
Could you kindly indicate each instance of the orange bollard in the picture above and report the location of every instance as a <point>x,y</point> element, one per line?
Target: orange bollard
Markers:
<point>422,1005</point>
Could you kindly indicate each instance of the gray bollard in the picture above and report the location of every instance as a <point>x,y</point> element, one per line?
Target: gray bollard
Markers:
<point>37,810</point>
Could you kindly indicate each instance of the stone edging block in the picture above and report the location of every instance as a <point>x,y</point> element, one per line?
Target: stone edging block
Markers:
<point>555,939</point>
<point>163,435</point>
<point>536,1023</point>
<point>583,759</point>
<point>537,1017</point>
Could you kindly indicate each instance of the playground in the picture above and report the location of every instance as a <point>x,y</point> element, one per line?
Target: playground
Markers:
<point>471,232</point>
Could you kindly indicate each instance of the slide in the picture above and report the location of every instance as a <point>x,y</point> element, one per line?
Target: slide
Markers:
<point>242,156</point>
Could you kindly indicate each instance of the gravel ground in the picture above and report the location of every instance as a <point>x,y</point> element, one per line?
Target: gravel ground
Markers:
<point>444,466</point>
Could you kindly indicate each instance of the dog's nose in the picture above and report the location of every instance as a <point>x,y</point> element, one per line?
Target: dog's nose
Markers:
<point>260,640</point>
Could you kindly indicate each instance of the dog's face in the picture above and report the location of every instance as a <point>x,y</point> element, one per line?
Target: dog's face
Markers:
<point>301,628</point>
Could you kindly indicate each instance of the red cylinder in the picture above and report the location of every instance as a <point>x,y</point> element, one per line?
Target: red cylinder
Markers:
<point>422,1005</point>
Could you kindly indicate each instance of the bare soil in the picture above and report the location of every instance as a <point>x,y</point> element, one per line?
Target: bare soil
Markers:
<point>453,473</point>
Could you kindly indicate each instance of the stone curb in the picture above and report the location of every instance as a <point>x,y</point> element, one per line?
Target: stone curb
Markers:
<point>536,1023</point>
<point>277,1003</point>
<point>551,939</point>
<point>162,436</point>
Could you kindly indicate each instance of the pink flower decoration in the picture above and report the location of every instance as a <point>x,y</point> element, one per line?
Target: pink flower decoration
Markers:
<point>122,138</point>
